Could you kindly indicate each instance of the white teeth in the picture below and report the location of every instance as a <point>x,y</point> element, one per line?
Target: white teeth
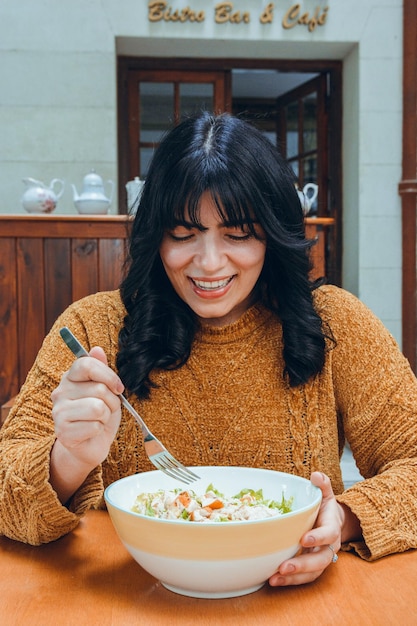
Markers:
<point>212,284</point>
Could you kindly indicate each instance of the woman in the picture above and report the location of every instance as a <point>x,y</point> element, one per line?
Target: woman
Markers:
<point>231,356</point>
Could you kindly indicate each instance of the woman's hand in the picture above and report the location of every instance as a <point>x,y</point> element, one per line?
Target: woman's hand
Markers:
<point>86,412</point>
<point>334,524</point>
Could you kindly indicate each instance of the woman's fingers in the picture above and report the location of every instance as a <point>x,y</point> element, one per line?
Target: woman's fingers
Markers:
<point>99,354</point>
<point>88,379</point>
<point>94,368</point>
<point>323,482</point>
<point>327,528</point>
<point>316,554</point>
<point>82,400</point>
<point>305,568</point>
<point>86,412</point>
<point>86,408</point>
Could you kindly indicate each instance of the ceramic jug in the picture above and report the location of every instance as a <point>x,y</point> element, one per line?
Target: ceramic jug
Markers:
<point>134,190</point>
<point>92,199</point>
<point>38,198</point>
<point>307,196</point>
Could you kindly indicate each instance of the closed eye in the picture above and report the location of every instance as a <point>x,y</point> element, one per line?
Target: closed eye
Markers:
<point>242,237</point>
<point>184,237</point>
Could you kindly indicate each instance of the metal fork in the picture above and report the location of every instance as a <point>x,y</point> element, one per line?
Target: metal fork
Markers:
<point>157,453</point>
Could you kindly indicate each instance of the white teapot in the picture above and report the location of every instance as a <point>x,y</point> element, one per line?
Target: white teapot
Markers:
<point>307,196</point>
<point>93,200</point>
<point>38,198</point>
<point>134,190</point>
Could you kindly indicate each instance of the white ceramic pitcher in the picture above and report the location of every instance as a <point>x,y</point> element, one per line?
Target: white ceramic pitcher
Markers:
<point>38,198</point>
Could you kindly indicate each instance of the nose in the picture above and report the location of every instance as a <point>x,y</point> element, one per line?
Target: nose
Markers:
<point>211,256</point>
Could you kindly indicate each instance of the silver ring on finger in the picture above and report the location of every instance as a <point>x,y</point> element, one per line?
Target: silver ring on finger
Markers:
<point>334,555</point>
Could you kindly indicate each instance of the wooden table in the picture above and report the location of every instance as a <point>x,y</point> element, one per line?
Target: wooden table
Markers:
<point>87,578</point>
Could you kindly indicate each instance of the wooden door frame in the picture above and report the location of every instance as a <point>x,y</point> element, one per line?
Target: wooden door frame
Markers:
<point>333,69</point>
<point>408,184</point>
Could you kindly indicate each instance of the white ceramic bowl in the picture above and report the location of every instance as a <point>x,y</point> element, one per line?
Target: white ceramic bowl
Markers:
<point>213,560</point>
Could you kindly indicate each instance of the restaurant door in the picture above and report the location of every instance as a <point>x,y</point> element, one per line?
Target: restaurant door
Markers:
<point>303,121</point>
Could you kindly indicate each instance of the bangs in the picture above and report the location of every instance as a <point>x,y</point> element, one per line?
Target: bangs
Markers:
<point>231,202</point>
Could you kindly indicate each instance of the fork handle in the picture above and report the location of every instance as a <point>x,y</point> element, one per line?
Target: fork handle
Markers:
<point>72,343</point>
<point>145,430</point>
<point>79,351</point>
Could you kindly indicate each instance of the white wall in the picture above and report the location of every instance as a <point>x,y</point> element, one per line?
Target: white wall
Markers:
<point>372,155</point>
<point>380,150</point>
<point>58,104</point>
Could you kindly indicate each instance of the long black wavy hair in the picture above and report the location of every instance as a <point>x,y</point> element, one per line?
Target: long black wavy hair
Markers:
<point>246,177</point>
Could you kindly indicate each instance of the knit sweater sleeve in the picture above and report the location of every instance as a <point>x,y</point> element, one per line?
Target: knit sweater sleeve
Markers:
<point>376,394</point>
<point>30,510</point>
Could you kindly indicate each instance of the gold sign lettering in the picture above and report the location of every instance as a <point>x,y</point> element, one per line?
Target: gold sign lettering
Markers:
<point>158,11</point>
<point>224,13</point>
<point>267,16</point>
<point>293,17</point>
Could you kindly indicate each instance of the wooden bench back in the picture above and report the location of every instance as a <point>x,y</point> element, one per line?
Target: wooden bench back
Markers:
<point>46,263</point>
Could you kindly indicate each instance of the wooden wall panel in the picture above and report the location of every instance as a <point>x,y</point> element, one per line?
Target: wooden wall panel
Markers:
<point>47,262</point>
<point>84,268</point>
<point>110,263</point>
<point>9,362</point>
<point>30,301</point>
<point>58,280</point>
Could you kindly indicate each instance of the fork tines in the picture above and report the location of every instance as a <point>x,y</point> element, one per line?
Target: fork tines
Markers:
<point>173,468</point>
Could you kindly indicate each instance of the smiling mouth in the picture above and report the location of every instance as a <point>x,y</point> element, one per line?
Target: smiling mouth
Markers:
<point>211,285</point>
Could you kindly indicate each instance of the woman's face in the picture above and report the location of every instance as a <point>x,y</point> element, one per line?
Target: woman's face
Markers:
<point>214,269</point>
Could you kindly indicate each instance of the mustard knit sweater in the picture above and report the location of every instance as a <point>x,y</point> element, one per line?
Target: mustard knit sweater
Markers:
<point>230,405</point>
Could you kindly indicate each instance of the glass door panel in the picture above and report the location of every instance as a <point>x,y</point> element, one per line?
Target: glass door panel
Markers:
<point>156,109</point>
<point>309,104</point>
<point>309,169</point>
<point>292,132</point>
<point>300,112</point>
<point>195,97</point>
<point>302,129</point>
<point>155,114</point>
<point>157,99</point>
